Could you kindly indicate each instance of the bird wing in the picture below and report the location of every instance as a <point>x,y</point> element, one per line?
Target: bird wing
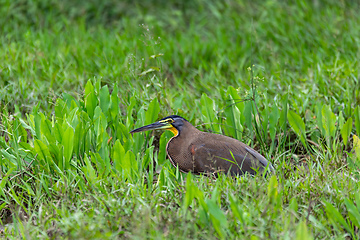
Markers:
<point>220,155</point>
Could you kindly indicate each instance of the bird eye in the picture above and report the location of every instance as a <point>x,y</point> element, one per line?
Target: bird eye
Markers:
<point>170,120</point>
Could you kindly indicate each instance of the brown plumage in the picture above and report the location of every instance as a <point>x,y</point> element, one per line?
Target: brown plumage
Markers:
<point>201,152</point>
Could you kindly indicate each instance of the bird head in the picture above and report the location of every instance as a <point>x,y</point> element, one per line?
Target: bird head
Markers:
<point>172,123</point>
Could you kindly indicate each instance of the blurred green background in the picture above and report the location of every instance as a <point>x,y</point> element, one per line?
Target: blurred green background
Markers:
<point>302,47</point>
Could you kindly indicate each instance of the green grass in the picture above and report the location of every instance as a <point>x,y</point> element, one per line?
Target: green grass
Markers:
<point>76,78</point>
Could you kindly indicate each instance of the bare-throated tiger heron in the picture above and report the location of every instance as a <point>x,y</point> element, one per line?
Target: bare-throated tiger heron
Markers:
<point>200,152</point>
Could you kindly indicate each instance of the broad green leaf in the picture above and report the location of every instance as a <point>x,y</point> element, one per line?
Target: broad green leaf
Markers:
<point>357,119</point>
<point>341,120</point>
<point>356,143</point>
<point>138,138</point>
<point>68,143</point>
<point>118,155</point>
<point>235,109</point>
<point>162,146</point>
<point>100,123</point>
<point>115,110</point>
<point>98,162</point>
<point>90,99</point>
<point>122,133</point>
<point>318,113</point>
<point>61,110</point>
<point>273,120</point>
<point>42,150</point>
<point>238,101</point>
<point>89,171</point>
<point>199,195</point>
<point>88,138</point>
<point>43,154</point>
<point>124,163</point>
<point>354,213</point>
<point>265,119</point>
<point>236,210</point>
<point>148,159</point>
<point>55,153</point>
<point>248,110</point>
<point>69,99</point>
<point>190,191</point>
<point>216,211</point>
<point>336,217</point>
<point>346,130</point>
<point>46,130</point>
<point>104,152</point>
<point>35,110</point>
<point>129,111</point>
<point>44,183</point>
<point>4,179</point>
<point>79,135</point>
<point>19,129</point>
<point>302,232</point>
<point>357,200</point>
<point>73,117</point>
<point>215,194</point>
<point>284,112</point>
<point>37,123</point>
<point>217,217</point>
<point>208,113</point>
<point>233,122</point>
<point>161,178</point>
<point>129,164</point>
<point>328,121</point>
<point>25,146</point>
<point>297,125</point>
<point>97,84</point>
<point>293,205</point>
<point>152,113</point>
<point>203,215</point>
<point>58,131</point>
<point>273,189</point>
<point>26,126</point>
<point>8,156</point>
<point>104,97</point>
<point>74,105</point>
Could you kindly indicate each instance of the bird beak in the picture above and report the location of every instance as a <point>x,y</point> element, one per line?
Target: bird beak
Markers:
<point>153,126</point>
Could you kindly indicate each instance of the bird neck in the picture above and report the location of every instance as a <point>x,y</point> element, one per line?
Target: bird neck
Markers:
<point>187,129</point>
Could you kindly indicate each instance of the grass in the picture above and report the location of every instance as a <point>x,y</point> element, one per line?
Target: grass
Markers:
<point>76,78</point>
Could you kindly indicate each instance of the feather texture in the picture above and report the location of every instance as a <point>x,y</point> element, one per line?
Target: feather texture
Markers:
<point>200,152</point>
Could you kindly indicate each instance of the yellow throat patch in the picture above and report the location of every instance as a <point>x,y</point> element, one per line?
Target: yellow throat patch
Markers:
<point>173,130</point>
